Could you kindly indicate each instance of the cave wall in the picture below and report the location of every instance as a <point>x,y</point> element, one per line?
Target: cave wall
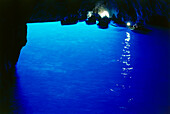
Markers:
<point>125,10</point>
<point>14,15</point>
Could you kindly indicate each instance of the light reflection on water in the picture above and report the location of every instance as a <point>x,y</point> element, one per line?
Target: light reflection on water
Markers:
<point>126,57</point>
<point>124,86</point>
<point>126,60</point>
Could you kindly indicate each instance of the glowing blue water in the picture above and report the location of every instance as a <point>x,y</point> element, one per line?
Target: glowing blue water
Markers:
<point>80,69</point>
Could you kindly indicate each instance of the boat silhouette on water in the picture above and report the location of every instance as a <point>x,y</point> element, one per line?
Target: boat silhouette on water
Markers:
<point>139,29</point>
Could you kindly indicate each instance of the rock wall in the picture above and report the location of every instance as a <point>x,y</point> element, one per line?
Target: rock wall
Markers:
<point>124,10</point>
<point>13,17</point>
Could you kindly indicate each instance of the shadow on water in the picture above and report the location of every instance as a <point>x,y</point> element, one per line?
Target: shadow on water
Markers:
<point>9,99</point>
<point>150,73</point>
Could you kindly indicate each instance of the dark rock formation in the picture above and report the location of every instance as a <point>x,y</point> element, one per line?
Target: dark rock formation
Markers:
<point>126,10</point>
<point>13,17</point>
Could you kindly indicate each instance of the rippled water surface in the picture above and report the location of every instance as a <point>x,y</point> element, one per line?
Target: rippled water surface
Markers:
<point>81,69</point>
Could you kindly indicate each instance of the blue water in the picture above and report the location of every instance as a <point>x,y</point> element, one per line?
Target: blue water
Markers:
<point>81,69</point>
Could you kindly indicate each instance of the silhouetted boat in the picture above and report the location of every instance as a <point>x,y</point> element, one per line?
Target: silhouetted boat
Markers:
<point>104,22</point>
<point>139,29</point>
<point>69,20</point>
<point>91,20</point>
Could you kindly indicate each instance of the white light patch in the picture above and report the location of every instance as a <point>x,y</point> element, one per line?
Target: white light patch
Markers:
<point>128,24</point>
<point>128,35</point>
<point>89,14</point>
<point>104,13</point>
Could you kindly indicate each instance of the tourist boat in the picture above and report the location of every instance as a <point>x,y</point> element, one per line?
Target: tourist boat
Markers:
<point>72,19</point>
<point>104,22</point>
<point>139,29</point>
<point>91,20</point>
